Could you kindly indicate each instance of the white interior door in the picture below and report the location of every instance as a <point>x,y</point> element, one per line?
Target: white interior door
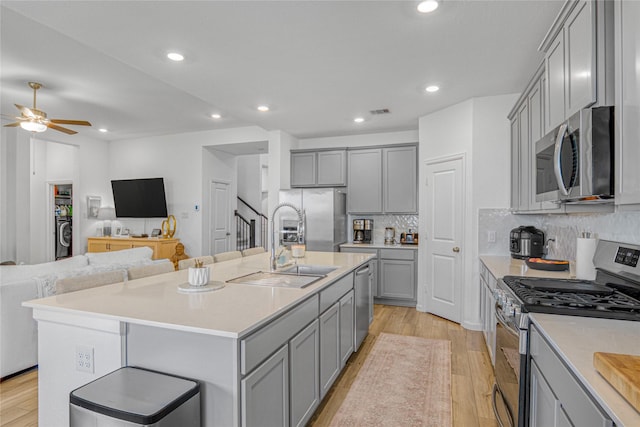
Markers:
<point>220,219</point>
<point>445,187</point>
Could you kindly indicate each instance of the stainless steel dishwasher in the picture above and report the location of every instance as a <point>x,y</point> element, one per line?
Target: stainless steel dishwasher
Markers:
<point>363,303</point>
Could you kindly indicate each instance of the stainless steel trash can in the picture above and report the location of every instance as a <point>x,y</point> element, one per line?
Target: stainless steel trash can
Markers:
<point>136,397</point>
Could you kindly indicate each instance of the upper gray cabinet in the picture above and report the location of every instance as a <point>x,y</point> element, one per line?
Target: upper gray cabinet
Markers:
<point>319,168</point>
<point>627,177</point>
<point>578,60</point>
<point>383,180</point>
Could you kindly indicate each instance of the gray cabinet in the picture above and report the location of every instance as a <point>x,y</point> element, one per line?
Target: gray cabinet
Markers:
<point>329,347</point>
<point>373,285</point>
<point>318,168</point>
<point>556,398</point>
<point>627,104</point>
<point>364,194</point>
<point>487,310</point>
<point>515,163</point>
<point>304,374</point>
<point>524,143</point>
<point>397,276</point>
<point>383,180</point>
<point>400,179</point>
<point>578,56</point>
<point>347,327</point>
<point>265,392</point>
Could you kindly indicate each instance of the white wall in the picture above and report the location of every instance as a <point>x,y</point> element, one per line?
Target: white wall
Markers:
<point>23,169</point>
<point>479,129</point>
<point>187,168</point>
<point>385,138</point>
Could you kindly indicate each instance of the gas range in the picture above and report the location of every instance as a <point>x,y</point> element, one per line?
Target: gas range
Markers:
<point>614,294</point>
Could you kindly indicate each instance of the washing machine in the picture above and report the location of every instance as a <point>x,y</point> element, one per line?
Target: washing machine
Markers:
<point>63,237</point>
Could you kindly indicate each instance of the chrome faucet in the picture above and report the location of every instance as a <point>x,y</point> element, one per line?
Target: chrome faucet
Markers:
<point>300,213</point>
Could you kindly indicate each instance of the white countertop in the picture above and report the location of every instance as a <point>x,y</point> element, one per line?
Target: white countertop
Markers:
<point>501,266</point>
<point>233,311</point>
<point>378,245</point>
<point>575,339</point>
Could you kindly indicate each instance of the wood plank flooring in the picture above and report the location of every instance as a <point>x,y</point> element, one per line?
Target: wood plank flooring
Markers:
<point>471,373</point>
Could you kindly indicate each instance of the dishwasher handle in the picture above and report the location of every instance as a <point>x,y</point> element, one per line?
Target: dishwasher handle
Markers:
<point>362,271</point>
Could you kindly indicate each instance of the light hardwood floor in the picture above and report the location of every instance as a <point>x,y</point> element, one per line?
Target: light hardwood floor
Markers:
<point>471,373</point>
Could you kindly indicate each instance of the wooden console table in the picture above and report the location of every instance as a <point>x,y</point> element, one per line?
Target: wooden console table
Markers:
<point>162,248</point>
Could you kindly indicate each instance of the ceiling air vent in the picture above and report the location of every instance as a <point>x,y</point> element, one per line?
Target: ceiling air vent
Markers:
<point>380,111</point>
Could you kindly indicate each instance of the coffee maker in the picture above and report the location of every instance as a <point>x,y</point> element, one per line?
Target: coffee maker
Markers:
<point>362,230</point>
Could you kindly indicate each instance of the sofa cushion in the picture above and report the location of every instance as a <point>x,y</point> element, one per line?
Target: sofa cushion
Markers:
<point>14,273</point>
<point>125,256</point>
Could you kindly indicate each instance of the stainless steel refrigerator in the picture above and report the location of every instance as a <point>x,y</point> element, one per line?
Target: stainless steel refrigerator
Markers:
<point>326,216</point>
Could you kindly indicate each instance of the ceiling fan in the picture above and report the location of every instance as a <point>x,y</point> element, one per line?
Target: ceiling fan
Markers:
<point>35,120</point>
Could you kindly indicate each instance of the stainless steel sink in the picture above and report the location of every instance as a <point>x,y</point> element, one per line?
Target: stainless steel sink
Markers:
<point>277,279</point>
<point>321,270</point>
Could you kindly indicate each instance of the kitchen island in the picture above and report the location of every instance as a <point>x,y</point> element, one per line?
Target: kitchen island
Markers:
<point>234,340</point>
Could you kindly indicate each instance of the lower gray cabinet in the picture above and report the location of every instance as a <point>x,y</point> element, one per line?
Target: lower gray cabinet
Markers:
<point>329,347</point>
<point>304,369</point>
<point>347,327</point>
<point>398,280</point>
<point>265,392</point>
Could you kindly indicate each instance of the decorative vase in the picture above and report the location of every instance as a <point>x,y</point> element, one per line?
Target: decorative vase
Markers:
<point>198,276</point>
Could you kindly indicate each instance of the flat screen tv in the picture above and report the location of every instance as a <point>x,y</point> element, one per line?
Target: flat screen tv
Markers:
<point>139,198</point>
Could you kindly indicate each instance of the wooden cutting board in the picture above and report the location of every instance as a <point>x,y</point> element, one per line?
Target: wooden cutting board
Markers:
<point>622,371</point>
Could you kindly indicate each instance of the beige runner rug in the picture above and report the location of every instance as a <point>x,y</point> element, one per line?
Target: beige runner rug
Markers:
<point>405,381</point>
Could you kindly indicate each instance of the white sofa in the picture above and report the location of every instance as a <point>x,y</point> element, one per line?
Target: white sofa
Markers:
<point>19,283</point>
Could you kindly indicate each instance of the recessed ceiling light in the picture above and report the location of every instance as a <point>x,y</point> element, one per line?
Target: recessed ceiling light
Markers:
<point>359,119</point>
<point>175,56</point>
<point>103,130</point>
<point>263,108</point>
<point>432,88</point>
<point>215,116</point>
<point>427,6</point>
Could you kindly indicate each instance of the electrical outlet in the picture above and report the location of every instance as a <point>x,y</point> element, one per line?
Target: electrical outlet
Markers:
<point>491,236</point>
<point>84,359</point>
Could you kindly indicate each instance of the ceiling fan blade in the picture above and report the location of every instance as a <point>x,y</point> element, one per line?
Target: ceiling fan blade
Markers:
<point>26,111</point>
<point>61,129</point>
<point>71,122</point>
<point>12,125</point>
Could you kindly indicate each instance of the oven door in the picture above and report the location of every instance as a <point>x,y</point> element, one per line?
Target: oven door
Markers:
<point>509,362</point>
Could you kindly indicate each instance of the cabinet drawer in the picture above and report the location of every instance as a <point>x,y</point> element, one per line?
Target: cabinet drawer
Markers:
<point>335,291</point>
<point>255,348</point>
<point>360,250</point>
<point>574,400</point>
<point>402,254</point>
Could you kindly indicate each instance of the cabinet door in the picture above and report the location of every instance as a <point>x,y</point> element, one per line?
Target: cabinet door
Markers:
<point>515,163</point>
<point>580,30</point>
<point>329,348</point>
<point>373,286</point>
<point>628,101</point>
<point>541,400</point>
<point>397,279</point>
<point>304,368</point>
<point>97,246</point>
<point>400,180</point>
<point>364,194</point>
<point>525,157</point>
<point>332,168</point>
<point>265,392</point>
<point>303,169</point>
<point>347,327</point>
<point>165,249</point>
<point>555,77</point>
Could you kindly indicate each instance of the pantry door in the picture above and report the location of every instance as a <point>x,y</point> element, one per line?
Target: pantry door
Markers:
<point>444,252</point>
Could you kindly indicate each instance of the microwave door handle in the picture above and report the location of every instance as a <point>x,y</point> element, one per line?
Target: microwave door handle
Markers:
<point>557,169</point>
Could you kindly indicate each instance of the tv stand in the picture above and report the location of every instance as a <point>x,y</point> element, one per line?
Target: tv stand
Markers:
<point>162,248</point>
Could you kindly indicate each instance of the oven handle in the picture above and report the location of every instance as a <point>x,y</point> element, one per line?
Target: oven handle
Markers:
<point>495,392</point>
<point>503,321</point>
<point>557,165</point>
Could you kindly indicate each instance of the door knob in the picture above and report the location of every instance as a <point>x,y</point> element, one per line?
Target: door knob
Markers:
<point>228,234</point>
<point>456,249</point>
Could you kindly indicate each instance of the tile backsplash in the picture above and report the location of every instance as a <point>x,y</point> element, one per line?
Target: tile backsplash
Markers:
<point>402,224</point>
<point>618,226</point>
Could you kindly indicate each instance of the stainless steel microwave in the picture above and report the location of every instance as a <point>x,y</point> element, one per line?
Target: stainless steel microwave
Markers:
<point>575,162</point>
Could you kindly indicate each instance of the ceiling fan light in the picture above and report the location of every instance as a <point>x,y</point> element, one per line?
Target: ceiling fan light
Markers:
<point>427,6</point>
<point>33,126</point>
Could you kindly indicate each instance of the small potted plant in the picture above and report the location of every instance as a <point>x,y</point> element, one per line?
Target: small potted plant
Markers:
<point>198,275</point>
